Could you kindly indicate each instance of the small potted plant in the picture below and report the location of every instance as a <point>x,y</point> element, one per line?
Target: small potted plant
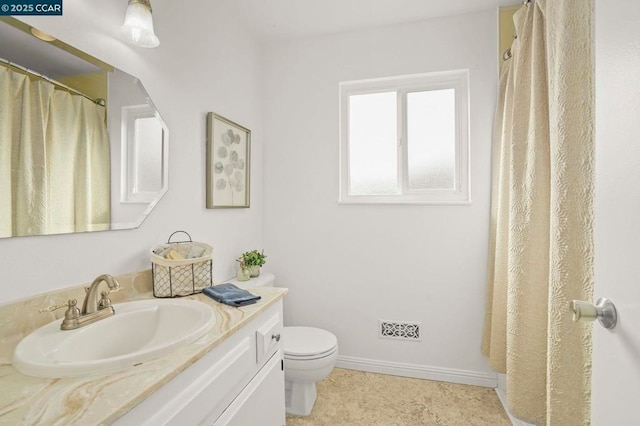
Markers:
<point>253,260</point>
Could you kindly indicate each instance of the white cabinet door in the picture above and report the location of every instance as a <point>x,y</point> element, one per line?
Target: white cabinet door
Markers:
<point>616,353</point>
<point>204,389</point>
<point>262,401</point>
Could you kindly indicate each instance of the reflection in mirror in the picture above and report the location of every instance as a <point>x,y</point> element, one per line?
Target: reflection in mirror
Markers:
<point>141,151</point>
<point>142,158</point>
<point>82,146</point>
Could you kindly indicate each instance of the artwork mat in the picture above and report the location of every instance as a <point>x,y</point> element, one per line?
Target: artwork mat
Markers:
<point>227,197</point>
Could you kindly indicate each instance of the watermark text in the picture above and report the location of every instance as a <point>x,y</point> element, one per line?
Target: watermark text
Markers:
<point>30,7</point>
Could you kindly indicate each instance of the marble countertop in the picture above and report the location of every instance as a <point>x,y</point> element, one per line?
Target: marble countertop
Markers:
<point>102,399</point>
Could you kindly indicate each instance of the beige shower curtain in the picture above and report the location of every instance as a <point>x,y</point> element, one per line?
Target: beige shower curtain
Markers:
<point>541,245</point>
<point>54,159</point>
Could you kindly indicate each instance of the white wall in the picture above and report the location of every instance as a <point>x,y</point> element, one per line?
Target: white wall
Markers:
<point>205,62</point>
<point>348,266</point>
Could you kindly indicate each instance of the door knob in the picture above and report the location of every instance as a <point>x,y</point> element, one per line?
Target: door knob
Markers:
<point>604,311</point>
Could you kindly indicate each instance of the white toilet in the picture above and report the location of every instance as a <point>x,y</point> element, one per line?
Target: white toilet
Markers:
<point>309,356</point>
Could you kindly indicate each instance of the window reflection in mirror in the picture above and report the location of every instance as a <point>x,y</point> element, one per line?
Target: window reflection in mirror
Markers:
<point>143,135</point>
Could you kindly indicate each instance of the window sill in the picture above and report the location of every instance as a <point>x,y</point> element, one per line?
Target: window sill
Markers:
<point>372,202</point>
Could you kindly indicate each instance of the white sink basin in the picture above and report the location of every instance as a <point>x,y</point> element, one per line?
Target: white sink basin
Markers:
<point>138,332</point>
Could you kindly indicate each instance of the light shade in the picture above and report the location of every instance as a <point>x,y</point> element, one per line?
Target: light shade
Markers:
<point>138,24</point>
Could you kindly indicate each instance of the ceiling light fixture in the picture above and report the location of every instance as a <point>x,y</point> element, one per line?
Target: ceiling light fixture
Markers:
<point>138,24</point>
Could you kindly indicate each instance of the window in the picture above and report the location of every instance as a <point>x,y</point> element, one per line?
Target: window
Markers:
<point>404,140</point>
<point>144,173</point>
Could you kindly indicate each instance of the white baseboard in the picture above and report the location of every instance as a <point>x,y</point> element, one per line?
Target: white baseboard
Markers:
<point>465,377</point>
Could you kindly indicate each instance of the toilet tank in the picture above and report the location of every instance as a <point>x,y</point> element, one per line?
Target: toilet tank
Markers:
<point>265,279</point>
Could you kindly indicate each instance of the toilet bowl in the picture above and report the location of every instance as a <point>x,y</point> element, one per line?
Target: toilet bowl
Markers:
<point>309,356</point>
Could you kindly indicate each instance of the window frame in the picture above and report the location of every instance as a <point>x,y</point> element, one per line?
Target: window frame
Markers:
<point>458,80</point>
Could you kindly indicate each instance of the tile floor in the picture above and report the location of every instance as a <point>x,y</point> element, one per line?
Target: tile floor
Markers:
<point>356,398</point>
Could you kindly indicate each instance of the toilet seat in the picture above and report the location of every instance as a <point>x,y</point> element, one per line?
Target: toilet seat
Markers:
<point>308,343</point>
<point>311,357</point>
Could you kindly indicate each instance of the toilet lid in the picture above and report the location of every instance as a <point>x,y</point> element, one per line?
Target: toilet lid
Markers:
<point>304,341</point>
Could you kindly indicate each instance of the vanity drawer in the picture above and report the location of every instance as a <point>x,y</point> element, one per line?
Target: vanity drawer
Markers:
<point>268,338</point>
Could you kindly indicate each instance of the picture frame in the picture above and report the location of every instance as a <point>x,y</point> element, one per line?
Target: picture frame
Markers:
<point>228,163</point>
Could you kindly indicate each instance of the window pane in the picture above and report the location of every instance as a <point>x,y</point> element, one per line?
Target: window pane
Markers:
<point>148,156</point>
<point>431,136</point>
<point>373,153</point>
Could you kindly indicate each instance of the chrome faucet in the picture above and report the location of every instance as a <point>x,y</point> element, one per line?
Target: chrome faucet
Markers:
<point>93,309</point>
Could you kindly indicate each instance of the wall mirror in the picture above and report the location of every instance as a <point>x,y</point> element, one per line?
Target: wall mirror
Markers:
<point>82,146</point>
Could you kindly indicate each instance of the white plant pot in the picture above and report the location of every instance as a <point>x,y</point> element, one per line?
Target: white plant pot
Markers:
<point>255,271</point>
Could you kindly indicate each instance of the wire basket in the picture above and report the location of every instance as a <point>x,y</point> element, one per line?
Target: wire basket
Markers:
<point>181,268</point>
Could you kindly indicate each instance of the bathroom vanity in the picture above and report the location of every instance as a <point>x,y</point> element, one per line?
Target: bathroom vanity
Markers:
<point>232,375</point>
<point>241,382</point>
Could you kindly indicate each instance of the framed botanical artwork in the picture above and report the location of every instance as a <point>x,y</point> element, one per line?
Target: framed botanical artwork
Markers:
<point>228,163</point>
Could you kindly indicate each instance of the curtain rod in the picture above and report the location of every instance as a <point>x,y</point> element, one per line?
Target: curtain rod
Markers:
<point>98,101</point>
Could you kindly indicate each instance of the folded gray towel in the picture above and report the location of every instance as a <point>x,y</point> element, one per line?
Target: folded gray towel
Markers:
<point>230,295</point>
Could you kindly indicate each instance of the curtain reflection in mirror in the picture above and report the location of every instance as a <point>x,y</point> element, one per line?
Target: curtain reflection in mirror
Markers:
<point>54,159</point>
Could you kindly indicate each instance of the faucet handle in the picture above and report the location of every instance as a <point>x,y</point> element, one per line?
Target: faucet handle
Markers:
<point>52,308</point>
<point>105,302</point>
<point>71,315</point>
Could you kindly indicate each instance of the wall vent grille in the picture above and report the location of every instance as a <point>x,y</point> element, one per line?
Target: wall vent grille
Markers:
<point>402,330</point>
